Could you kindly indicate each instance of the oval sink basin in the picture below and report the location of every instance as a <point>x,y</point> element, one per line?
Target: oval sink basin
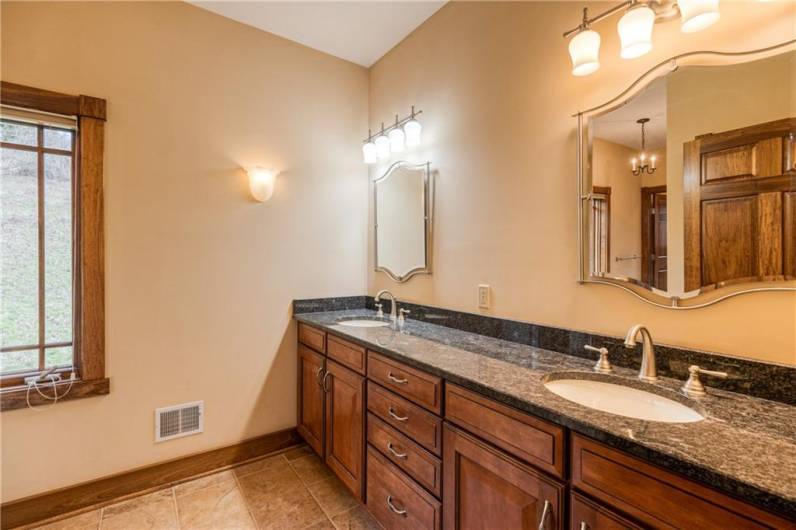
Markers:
<point>364,322</point>
<point>623,400</point>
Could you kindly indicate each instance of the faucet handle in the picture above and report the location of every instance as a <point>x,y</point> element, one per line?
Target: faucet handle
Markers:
<point>603,364</point>
<point>380,311</point>
<point>693,387</point>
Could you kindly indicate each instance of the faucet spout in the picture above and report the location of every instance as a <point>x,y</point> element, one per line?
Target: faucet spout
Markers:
<point>393,303</point>
<point>648,371</point>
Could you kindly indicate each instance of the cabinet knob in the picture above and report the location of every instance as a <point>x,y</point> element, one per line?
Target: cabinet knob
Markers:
<point>392,507</point>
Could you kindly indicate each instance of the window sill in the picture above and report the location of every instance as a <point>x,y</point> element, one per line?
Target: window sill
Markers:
<point>13,398</point>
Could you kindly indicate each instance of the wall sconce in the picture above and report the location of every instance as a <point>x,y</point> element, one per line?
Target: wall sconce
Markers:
<point>261,182</point>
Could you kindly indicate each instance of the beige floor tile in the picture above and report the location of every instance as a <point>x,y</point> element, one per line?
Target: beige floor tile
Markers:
<point>268,481</point>
<point>84,521</point>
<point>310,469</point>
<point>356,519</point>
<point>155,511</point>
<point>298,452</point>
<point>217,506</point>
<point>270,463</point>
<point>333,496</point>
<point>326,524</point>
<point>286,509</point>
<point>187,488</point>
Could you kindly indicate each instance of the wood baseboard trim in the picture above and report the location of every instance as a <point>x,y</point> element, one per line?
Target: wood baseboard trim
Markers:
<point>101,491</point>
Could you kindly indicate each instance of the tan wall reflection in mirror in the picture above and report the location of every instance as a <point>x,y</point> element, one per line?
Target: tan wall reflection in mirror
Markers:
<point>720,206</point>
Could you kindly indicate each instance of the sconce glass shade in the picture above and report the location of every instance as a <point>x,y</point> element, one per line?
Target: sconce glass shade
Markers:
<point>369,153</point>
<point>261,182</point>
<point>412,130</point>
<point>635,31</point>
<point>382,146</point>
<point>396,137</point>
<point>697,14</point>
<point>584,49</point>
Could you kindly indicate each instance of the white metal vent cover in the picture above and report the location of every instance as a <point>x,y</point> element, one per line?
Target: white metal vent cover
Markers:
<point>179,420</point>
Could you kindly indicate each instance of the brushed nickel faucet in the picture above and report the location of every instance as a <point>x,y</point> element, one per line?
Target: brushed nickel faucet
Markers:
<point>694,388</point>
<point>393,303</point>
<point>648,371</point>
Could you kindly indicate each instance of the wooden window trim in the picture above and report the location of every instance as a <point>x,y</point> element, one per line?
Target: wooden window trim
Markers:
<point>89,307</point>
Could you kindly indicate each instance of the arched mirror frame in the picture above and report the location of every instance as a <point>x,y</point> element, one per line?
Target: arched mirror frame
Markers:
<point>428,208</point>
<point>702,297</point>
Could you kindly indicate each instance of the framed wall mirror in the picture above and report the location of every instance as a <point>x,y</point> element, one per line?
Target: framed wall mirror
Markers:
<point>687,180</point>
<point>403,204</point>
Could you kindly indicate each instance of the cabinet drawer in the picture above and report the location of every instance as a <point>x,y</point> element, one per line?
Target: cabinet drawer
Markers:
<point>587,515</point>
<point>416,386</point>
<point>346,353</point>
<point>418,424</point>
<point>395,500</point>
<point>314,338</point>
<point>415,461</point>
<point>659,498</point>
<point>531,439</point>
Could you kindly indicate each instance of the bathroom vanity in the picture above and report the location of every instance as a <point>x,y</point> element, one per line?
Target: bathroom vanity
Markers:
<point>436,427</point>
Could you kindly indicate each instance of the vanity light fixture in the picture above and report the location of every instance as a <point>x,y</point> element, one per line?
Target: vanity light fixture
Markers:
<point>640,165</point>
<point>394,139</point>
<point>635,28</point>
<point>261,182</point>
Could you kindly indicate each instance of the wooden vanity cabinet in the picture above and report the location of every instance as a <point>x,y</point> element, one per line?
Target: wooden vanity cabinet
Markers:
<point>484,487</point>
<point>585,514</point>
<point>311,367</point>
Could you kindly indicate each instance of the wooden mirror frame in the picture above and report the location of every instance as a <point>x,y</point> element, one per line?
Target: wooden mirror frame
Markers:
<point>704,296</point>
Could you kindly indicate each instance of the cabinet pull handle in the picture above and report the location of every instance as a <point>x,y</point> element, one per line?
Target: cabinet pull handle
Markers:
<point>395,416</point>
<point>393,508</point>
<point>325,378</point>
<point>545,513</point>
<point>394,452</point>
<point>584,526</point>
<point>396,380</point>
<point>318,376</point>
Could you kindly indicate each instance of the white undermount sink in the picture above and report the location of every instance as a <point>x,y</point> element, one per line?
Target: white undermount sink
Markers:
<point>364,323</point>
<point>622,400</point>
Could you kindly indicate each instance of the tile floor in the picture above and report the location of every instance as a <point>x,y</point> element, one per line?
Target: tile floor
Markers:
<point>292,490</point>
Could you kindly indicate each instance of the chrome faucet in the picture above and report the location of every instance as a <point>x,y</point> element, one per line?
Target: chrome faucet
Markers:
<point>648,371</point>
<point>393,303</point>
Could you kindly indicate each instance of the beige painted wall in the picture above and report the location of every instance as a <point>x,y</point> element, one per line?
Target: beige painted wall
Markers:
<point>494,82</point>
<point>199,276</point>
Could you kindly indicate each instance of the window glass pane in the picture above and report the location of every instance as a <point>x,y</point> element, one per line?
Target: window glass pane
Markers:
<point>19,252</point>
<point>58,138</point>
<point>18,133</point>
<point>61,356</point>
<point>57,248</point>
<point>15,361</point>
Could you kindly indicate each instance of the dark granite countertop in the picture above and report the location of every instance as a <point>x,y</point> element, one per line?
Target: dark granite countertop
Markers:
<point>745,447</point>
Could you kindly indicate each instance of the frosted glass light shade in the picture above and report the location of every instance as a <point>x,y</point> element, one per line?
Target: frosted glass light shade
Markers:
<point>261,182</point>
<point>697,14</point>
<point>382,146</point>
<point>369,153</point>
<point>584,49</point>
<point>396,138</point>
<point>635,31</point>
<point>412,130</point>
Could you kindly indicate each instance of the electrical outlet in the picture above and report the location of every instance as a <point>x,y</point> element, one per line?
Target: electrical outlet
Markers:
<point>483,296</point>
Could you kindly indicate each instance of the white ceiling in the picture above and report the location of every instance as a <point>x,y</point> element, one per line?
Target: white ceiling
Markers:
<point>360,32</point>
<point>619,126</point>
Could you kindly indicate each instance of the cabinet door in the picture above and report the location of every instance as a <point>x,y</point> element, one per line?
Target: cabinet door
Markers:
<point>588,515</point>
<point>345,421</point>
<point>485,488</point>
<point>310,397</point>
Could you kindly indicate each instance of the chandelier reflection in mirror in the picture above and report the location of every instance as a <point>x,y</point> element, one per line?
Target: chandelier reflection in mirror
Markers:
<point>641,164</point>
<point>635,28</point>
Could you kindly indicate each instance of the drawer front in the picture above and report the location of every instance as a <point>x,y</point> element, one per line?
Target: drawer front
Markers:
<point>419,464</point>
<point>659,498</point>
<point>415,385</point>
<point>396,501</point>
<point>587,515</point>
<point>346,353</point>
<point>314,338</point>
<point>413,421</point>
<point>531,439</point>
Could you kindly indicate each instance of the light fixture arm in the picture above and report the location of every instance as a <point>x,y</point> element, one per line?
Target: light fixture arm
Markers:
<point>664,10</point>
<point>605,14</point>
<point>398,124</point>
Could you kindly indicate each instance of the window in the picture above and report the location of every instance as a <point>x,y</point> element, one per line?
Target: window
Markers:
<point>37,168</point>
<point>600,236</point>
<point>52,271</point>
